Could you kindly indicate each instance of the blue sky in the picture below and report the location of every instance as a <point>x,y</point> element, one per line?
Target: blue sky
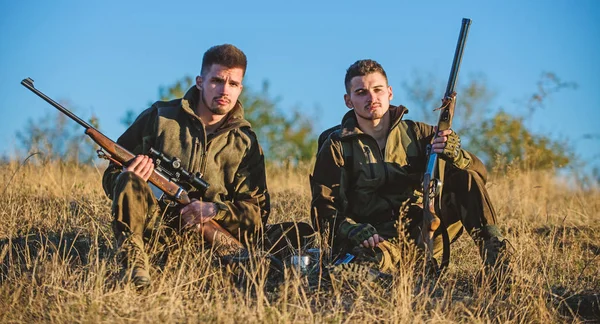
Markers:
<point>106,57</point>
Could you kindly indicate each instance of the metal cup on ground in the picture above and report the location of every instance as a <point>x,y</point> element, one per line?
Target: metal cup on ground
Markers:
<point>300,263</point>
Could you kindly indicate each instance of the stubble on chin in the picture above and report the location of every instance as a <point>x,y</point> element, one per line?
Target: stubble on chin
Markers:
<point>371,115</point>
<point>219,110</point>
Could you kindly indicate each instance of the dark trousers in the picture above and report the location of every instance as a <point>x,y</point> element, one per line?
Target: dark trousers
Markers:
<point>137,214</point>
<point>465,205</point>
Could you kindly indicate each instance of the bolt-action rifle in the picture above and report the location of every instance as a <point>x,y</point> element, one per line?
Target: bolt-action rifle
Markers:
<point>432,179</point>
<point>166,175</point>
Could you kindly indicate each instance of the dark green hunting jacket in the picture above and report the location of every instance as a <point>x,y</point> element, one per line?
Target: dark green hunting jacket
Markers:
<point>230,160</point>
<point>354,181</point>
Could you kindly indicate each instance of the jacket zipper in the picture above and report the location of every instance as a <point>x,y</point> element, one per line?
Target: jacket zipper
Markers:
<point>385,168</point>
<point>207,147</point>
<point>385,180</point>
<point>204,155</point>
<point>386,173</point>
<point>203,165</point>
<point>197,150</point>
<point>368,154</point>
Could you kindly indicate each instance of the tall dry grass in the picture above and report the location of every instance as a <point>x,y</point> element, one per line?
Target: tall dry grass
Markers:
<point>58,265</point>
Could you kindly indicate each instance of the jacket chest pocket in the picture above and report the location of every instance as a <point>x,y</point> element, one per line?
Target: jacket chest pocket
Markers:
<point>362,195</point>
<point>370,174</point>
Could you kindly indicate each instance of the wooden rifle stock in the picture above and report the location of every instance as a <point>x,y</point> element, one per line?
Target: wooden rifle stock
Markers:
<point>432,184</point>
<point>214,233</point>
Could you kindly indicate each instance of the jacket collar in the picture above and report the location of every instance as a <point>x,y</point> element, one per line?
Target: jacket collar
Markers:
<point>234,119</point>
<point>350,124</point>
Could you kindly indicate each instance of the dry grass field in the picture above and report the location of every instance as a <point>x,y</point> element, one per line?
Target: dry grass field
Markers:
<point>58,265</point>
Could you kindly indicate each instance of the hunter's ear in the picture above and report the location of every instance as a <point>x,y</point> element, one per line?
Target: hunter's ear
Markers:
<point>348,101</point>
<point>199,82</point>
<point>391,95</point>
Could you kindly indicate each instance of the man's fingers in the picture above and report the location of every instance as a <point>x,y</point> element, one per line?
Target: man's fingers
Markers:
<point>438,148</point>
<point>139,169</point>
<point>372,241</point>
<point>148,173</point>
<point>189,208</point>
<point>186,218</point>
<point>445,132</point>
<point>184,210</point>
<point>143,168</point>
<point>148,168</point>
<point>441,139</point>
<point>133,164</point>
<point>191,212</point>
<point>140,166</point>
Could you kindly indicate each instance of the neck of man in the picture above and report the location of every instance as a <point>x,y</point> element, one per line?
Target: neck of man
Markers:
<point>210,120</point>
<point>377,128</point>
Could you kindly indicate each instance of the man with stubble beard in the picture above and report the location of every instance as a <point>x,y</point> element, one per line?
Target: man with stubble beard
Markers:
<point>207,131</point>
<point>367,180</point>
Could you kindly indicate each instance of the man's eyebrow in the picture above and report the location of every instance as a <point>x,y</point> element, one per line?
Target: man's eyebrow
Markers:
<point>374,87</point>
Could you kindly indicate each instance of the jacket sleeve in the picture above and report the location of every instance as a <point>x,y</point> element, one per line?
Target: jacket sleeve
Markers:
<point>249,207</point>
<point>132,140</point>
<point>425,134</point>
<point>328,186</point>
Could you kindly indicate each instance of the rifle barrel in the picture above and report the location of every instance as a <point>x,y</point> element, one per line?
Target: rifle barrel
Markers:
<point>28,83</point>
<point>458,53</point>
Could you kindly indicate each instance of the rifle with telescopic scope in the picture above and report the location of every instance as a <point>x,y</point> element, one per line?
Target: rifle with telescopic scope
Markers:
<point>166,176</point>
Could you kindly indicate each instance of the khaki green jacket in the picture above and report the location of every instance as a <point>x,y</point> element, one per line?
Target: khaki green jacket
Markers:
<point>230,160</point>
<point>354,181</point>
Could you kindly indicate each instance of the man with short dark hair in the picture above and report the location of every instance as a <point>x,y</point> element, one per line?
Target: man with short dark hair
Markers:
<point>367,181</point>
<point>207,131</point>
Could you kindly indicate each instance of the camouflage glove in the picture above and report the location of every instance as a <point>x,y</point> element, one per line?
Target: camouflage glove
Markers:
<point>356,233</point>
<point>453,152</point>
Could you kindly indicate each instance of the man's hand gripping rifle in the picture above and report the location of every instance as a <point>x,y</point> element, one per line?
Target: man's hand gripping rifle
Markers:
<point>166,176</point>
<point>432,183</point>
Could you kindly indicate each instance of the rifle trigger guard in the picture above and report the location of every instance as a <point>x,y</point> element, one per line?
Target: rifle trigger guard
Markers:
<point>168,202</point>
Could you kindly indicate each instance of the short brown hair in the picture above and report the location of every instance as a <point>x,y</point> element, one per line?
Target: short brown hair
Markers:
<point>361,68</point>
<point>226,55</point>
